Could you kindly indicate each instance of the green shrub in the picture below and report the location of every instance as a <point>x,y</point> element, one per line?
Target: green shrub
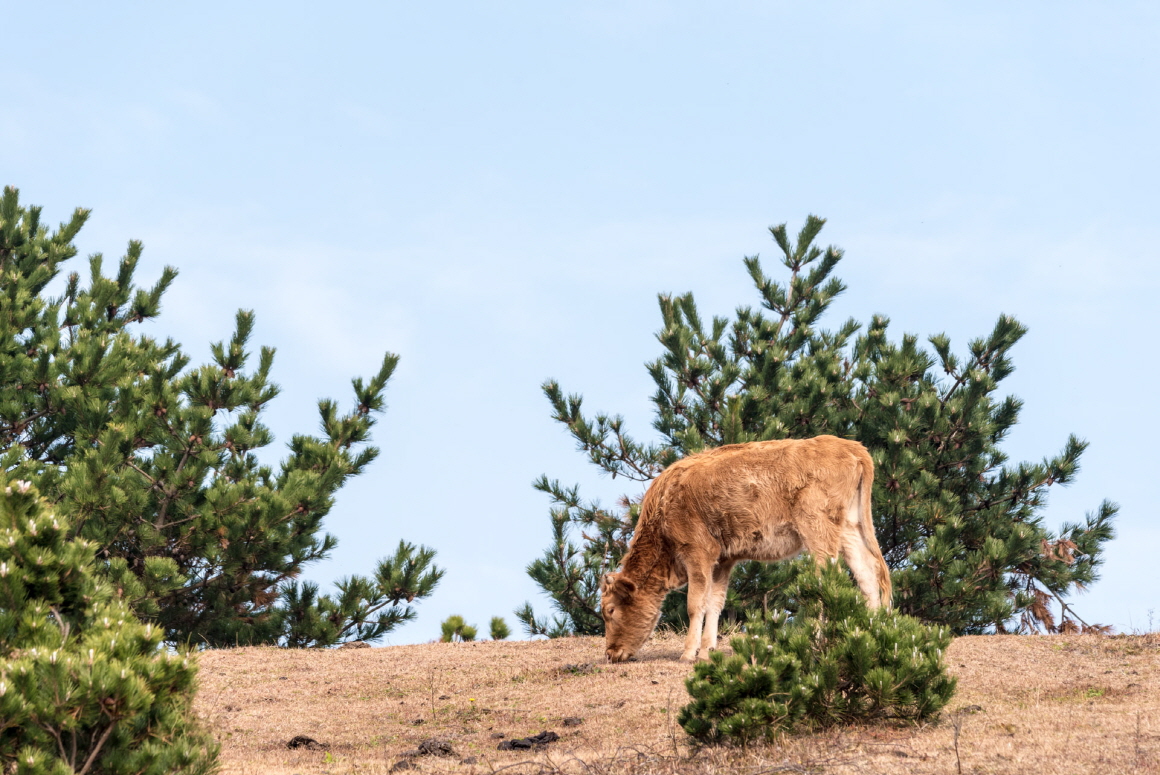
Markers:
<point>455,629</point>
<point>84,686</point>
<point>828,661</point>
<point>499,628</point>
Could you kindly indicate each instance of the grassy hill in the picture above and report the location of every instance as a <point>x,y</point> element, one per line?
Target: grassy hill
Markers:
<point>1060,704</point>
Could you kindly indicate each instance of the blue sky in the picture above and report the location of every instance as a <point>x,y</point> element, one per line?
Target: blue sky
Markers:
<point>497,192</point>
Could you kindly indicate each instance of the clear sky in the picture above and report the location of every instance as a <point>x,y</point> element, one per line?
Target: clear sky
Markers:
<point>498,191</point>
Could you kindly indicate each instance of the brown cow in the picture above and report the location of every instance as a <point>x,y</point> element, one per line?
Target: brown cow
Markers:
<point>766,500</point>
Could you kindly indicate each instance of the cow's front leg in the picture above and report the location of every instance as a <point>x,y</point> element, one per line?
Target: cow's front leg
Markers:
<point>700,585</point>
<point>716,602</point>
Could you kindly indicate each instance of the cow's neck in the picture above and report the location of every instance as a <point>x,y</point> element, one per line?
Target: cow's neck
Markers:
<point>648,565</point>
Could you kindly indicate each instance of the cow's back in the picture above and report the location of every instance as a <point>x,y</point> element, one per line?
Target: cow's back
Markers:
<point>751,498</point>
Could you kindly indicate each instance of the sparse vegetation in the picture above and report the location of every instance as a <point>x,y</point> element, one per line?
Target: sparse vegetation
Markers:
<point>1017,701</point>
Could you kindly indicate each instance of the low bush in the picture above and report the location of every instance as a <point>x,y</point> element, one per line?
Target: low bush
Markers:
<point>84,686</point>
<point>828,660</point>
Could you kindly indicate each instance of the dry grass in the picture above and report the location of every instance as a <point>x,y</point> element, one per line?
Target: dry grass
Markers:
<point>1060,704</point>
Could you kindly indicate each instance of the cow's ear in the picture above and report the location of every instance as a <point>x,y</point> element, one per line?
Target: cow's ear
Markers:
<point>624,587</point>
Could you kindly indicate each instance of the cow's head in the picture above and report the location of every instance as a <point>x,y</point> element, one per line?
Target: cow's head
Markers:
<point>629,617</point>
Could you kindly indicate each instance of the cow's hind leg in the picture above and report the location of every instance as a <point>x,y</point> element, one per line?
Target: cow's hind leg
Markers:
<point>864,565</point>
<point>716,603</point>
<point>700,586</point>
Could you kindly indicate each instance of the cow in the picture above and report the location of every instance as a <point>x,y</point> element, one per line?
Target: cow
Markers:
<point>764,500</point>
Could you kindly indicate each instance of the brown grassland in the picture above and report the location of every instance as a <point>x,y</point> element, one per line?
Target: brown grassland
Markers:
<point>1025,704</point>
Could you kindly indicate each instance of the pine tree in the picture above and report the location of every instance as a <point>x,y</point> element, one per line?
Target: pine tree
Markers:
<point>961,527</point>
<point>84,686</point>
<point>357,613</point>
<point>825,660</point>
<point>155,461</point>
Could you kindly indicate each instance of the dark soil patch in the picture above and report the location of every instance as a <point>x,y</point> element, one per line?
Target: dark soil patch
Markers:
<point>435,746</point>
<point>533,743</point>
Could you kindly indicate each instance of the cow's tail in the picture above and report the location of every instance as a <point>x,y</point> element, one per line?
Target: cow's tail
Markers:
<point>866,525</point>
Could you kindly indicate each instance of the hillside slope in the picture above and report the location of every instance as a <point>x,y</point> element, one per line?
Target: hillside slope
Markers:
<point>1063,704</point>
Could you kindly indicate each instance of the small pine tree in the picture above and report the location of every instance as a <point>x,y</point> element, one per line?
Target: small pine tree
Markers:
<point>826,661</point>
<point>84,686</point>
<point>499,628</point>
<point>156,462</point>
<point>959,525</point>
<point>365,609</point>
<point>456,630</point>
